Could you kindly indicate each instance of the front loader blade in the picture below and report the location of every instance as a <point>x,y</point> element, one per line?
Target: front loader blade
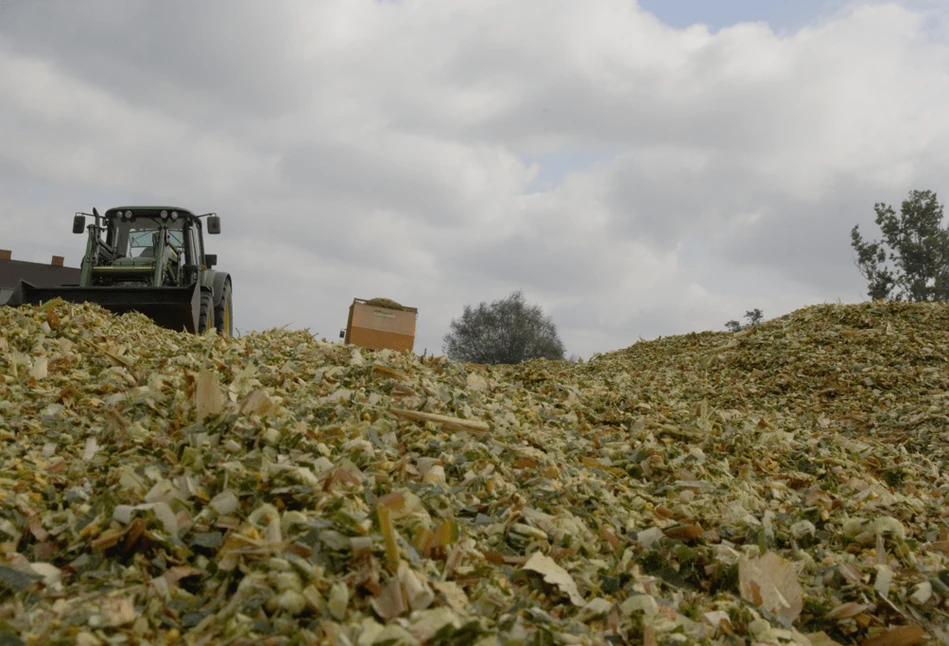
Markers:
<point>176,308</point>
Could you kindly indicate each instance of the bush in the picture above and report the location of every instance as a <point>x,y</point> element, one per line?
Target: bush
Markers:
<point>506,331</point>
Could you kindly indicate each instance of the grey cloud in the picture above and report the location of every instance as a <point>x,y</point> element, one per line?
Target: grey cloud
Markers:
<point>531,262</point>
<point>664,195</point>
<point>211,60</point>
<point>743,119</point>
<point>367,180</point>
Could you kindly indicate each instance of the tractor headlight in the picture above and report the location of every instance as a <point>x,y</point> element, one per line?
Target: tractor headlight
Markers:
<point>164,215</point>
<point>174,215</point>
<point>128,215</point>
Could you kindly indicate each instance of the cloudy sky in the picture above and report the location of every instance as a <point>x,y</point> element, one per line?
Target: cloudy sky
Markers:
<point>636,168</point>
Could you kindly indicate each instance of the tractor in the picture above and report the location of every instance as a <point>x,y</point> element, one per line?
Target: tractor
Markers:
<point>147,259</point>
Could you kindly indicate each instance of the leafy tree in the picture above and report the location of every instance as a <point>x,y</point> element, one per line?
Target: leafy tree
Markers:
<point>506,331</point>
<point>911,262</point>
<point>754,317</point>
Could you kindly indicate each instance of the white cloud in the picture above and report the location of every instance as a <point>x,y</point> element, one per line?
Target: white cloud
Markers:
<point>632,178</point>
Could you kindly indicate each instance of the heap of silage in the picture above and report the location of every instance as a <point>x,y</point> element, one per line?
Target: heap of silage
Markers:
<point>782,485</point>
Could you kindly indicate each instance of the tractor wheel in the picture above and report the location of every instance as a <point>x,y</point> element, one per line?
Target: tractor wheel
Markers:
<point>203,312</point>
<point>224,312</point>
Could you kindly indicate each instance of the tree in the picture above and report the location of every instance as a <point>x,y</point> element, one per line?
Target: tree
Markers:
<point>754,317</point>
<point>912,261</point>
<point>506,331</point>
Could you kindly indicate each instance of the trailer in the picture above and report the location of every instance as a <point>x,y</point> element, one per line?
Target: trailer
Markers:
<point>380,323</point>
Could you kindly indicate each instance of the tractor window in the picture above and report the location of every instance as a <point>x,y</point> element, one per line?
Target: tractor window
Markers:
<point>137,239</point>
<point>177,240</point>
<point>141,244</point>
<point>195,247</point>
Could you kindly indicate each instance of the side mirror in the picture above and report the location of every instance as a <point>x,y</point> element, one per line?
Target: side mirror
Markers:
<point>78,223</point>
<point>342,334</point>
<point>210,259</point>
<point>214,224</point>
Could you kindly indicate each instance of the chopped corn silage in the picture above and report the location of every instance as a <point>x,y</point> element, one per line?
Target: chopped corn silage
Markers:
<point>785,484</point>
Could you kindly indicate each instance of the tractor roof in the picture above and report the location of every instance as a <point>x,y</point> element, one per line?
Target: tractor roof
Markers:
<point>148,211</point>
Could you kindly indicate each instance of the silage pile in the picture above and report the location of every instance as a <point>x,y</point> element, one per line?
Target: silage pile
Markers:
<point>781,485</point>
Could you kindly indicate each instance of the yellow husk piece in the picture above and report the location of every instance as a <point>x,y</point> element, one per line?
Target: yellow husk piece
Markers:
<point>784,484</point>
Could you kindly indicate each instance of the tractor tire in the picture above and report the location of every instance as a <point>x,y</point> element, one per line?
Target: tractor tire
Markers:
<point>206,308</point>
<point>224,312</point>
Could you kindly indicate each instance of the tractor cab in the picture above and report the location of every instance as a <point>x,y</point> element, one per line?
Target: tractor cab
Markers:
<point>155,246</point>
